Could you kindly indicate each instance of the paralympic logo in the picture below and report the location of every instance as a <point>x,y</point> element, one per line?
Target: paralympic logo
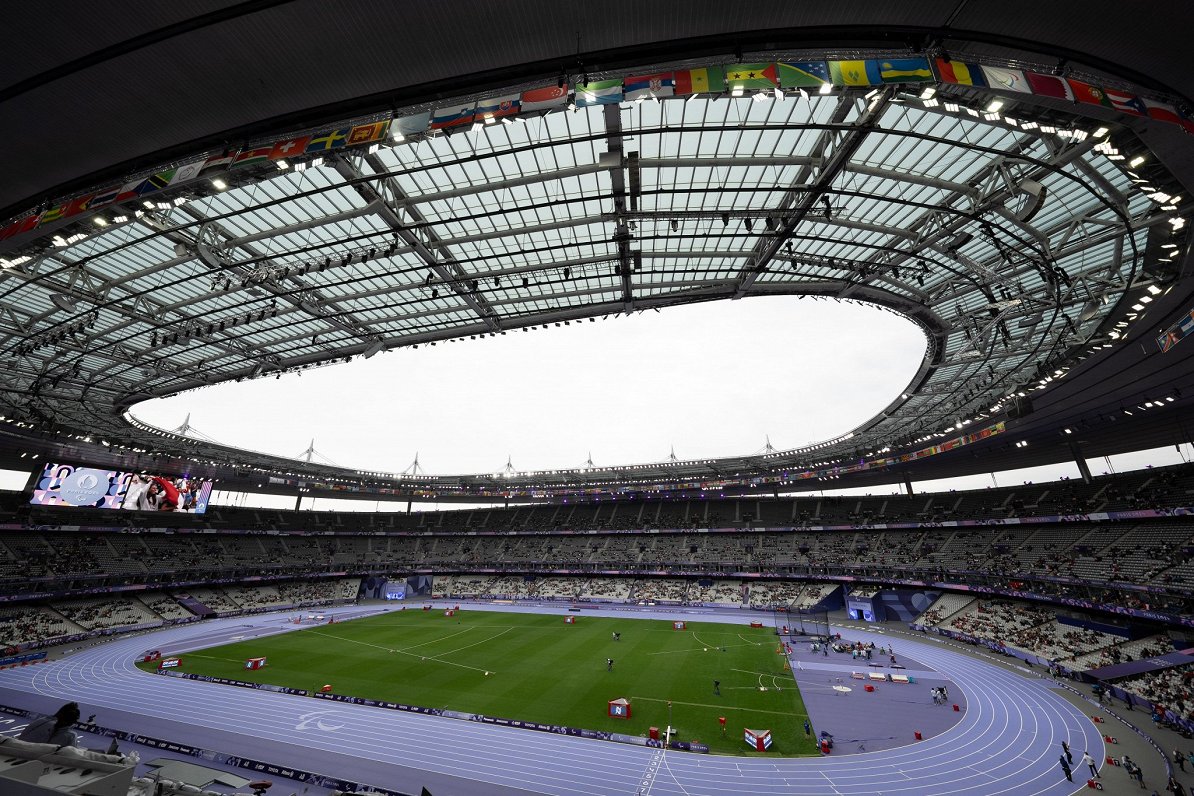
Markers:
<point>315,720</point>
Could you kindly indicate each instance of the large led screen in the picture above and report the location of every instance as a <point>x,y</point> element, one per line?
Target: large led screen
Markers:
<point>74,485</point>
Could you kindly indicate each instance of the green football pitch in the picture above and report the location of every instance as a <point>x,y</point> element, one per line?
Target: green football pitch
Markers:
<point>536,668</point>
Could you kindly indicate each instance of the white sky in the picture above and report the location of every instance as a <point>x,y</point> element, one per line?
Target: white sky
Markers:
<point>711,379</point>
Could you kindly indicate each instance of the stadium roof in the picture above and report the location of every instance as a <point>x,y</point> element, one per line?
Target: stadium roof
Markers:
<point>1017,228</point>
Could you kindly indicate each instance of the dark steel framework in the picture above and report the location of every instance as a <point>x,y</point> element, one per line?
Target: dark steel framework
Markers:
<point>1011,238</point>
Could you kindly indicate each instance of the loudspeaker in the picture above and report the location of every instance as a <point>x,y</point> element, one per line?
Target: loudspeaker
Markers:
<point>1020,407</point>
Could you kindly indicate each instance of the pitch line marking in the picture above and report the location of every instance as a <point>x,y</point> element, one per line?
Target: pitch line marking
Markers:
<point>435,640</point>
<point>723,707</point>
<point>482,641</point>
<point>748,641</point>
<point>695,649</point>
<point>410,654</point>
<point>211,657</point>
<point>350,640</point>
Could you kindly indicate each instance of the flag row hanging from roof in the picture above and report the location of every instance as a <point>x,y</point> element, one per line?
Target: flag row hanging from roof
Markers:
<point>715,79</point>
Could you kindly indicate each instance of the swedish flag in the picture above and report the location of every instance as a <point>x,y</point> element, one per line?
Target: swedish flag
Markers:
<point>333,139</point>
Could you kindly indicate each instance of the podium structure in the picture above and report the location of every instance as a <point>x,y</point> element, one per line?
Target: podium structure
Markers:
<point>255,663</point>
<point>619,708</point>
<point>759,740</point>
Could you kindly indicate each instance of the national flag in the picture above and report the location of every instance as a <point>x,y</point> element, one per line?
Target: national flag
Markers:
<point>1049,86</point>
<point>1187,123</point>
<point>661,84</point>
<point>155,182</point>
<point>187,171</point>
<point>905,70</point>
<point>332,139</point>
<point>496,107</point>
<point>1007,79</point>
<point>546,98</point>
<point>599,92</point>
<point>751,76</point>
<point>960,73</point>
<point>79,204</point>
<point>256,155</point>
<point>411,125</point>
<point>289,148</point>
<point>51,215</point>
<point>1125,103</point>
<point>455,116</point>
<point>707,80</point>
<point>220,161</point>
<point>105,197</point>
<point>803,74</point>
<point>1163,112</point>
<point>1088,93</point>
<point>854,73</point>
<point>130,190</point>
<point>365,133</point>
<point>18,227</point>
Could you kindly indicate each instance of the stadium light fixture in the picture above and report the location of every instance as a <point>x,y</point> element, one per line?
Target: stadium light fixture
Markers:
<point>825,88</point>
<point>219,184</point>
<point>1136,161</point>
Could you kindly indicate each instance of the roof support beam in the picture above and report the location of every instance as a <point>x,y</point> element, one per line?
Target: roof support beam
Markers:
<point>835,148</point>
<point>613,131</point>
<point>446,268</point>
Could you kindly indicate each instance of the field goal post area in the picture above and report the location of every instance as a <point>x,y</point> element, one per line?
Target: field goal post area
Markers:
<point>800,622</point>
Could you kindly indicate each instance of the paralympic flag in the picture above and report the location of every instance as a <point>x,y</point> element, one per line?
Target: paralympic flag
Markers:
<point>1007,79</point>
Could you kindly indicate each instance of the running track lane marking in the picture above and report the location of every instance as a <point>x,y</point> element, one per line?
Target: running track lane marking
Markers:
<point>648,779</point>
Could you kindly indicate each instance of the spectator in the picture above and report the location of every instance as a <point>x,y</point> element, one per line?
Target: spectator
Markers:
<point>54,729</point>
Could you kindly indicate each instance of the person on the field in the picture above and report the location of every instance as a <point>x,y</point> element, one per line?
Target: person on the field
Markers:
<point>609,664</point>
